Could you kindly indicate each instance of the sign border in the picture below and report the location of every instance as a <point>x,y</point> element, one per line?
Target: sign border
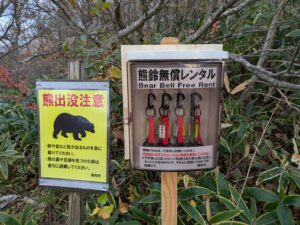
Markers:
<point>75,184</point>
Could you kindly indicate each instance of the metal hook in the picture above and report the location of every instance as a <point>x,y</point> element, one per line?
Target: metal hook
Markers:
<point>151,97</point>
<point>195,107</point>
<point>164,108</point>
<point>163,105</point>
<point>193,95</point>
<point>179,96</point>
<point>179,110</point>
<point>150,110</point>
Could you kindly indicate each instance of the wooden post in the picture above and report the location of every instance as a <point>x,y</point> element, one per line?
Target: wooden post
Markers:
<point>169,179</point>
<point>76,199</point>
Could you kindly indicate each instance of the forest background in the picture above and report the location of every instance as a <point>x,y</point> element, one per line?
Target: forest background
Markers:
<point>258,178</point>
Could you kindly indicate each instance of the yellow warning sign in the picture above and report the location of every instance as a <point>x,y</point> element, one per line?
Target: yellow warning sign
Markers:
<point>73,134</point>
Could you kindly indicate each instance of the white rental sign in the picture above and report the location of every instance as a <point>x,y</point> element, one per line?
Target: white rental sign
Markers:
<point>176,77</point>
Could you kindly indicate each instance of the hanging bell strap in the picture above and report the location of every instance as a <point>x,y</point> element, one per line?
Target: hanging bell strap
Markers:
<point>151,130</point>
<point>180,130</point>
<point>198,121</point>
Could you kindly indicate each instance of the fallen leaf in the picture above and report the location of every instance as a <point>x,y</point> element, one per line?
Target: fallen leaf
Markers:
<point>225,125</point>
<point>247,150</point>
<point>295,147</point>
<point>123,207</point>
<point>240,87</point>
<point>296,158</point>
<point>226,82</point>
<point>105,212</point>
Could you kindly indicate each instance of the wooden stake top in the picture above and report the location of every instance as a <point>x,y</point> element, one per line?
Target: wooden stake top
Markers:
<point>169,41</point>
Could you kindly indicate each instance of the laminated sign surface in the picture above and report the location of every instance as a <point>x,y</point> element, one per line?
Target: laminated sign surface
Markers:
<point>73,119</point>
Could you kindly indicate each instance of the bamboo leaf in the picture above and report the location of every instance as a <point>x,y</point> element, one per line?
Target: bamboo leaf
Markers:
<point>241,204</point>
<point>192,212</point>
<point>284,214</point>
<point>193,192</point>
<point>261,194</point>
<point>292,200</point>
<point>231,223</point>
<point>267,218</point>
<point>8,219</point>
<point>129,223</point>
<point>25,214</point>
<point>269,174</point>
<point>4,168</point>
<point>141,215</point>
<point>222,216</point>
<point>151,199</point>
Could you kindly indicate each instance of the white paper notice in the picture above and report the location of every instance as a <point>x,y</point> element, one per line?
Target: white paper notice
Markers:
<point>176,158</point>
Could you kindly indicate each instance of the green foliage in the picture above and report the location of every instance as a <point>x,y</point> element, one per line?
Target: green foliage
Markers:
<point>7,219</point>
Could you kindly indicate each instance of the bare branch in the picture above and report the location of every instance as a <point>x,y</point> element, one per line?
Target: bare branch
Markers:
<point>263,74</point>
<point>140,22</point>
<point>287,100</point>
<point>294,57</point>
<point>271,33</point>
<point>118,15</point>
<point>70,16</point>
<point>209,22</point>
<point>237,8</point>
<point>39,54</point>
<point>19,46</point>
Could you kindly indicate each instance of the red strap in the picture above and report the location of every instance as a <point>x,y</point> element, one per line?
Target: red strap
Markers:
<point>151,130</point>
<point>165,121</point>
<point>180,130</point>
<point>199,141</point>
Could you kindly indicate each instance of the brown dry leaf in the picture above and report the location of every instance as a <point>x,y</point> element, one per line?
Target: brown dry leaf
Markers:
<point>105,212</point>
<point>295,147</point>
<point>225,125</point>
<point>115,72</point>
<point>240,87</point>
<point>226,82</point>
<point>123,207</point>
<point>247,150</point>
<point>296,158</point>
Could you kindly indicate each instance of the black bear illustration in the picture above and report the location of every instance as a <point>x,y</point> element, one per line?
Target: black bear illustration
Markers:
<point>67,123</point>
